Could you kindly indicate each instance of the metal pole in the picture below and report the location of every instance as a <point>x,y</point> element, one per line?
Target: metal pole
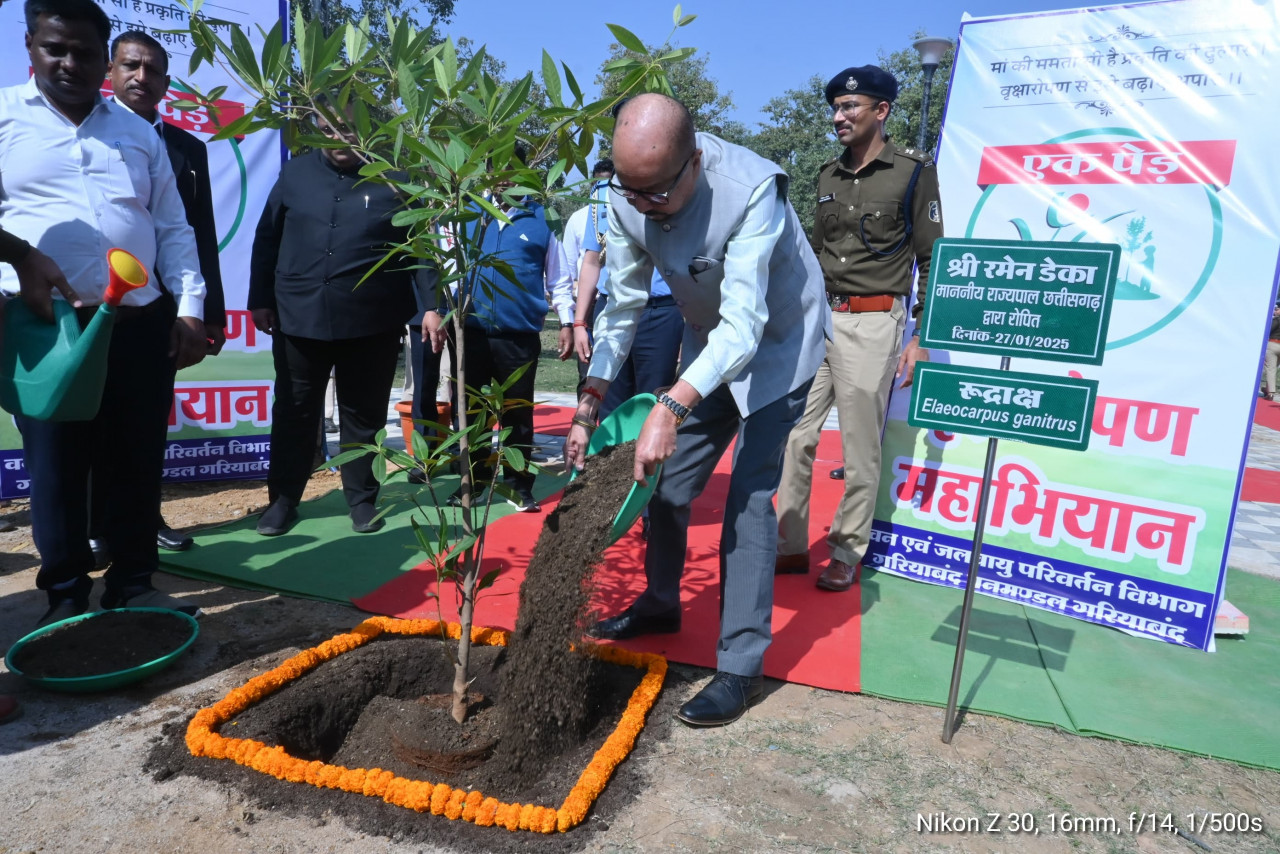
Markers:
<point>948,723</point>
<point>922,138</point>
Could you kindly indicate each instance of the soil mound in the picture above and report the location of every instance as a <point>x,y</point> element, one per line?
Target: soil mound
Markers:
<point>547,689</point>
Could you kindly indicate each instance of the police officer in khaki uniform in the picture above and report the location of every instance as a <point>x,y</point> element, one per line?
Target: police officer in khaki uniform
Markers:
<point>878,216</point>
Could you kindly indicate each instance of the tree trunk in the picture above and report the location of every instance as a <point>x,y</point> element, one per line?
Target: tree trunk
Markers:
<point>462,665</point>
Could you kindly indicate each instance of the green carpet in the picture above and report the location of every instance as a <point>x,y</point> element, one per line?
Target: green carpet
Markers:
<point>1031,665</point>
<point>320,557</point>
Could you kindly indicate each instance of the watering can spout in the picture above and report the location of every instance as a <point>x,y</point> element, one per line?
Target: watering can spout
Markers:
<point>126,273</point>
<point>56,372</point>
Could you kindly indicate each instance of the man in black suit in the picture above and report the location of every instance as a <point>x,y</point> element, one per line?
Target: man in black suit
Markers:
<point>139,71</point>
<point>321,233</point>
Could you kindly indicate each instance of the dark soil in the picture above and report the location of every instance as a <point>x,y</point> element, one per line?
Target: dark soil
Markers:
<point>105,643</point>
<point>547,690</point>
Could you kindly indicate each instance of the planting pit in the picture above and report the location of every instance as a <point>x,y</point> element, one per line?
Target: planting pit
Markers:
<point>551,716</point>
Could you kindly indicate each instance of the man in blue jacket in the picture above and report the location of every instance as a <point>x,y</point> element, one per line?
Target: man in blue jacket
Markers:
<point>503,326</point>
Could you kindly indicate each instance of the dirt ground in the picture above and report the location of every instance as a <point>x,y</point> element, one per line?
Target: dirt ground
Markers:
<point>806,770</point>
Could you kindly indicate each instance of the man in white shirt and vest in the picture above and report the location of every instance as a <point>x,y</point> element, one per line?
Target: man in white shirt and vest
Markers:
<point>82,176</point>
<point>714,220</point>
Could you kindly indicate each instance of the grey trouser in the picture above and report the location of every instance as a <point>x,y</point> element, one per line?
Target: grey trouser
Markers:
<point>856,376</point>
<point>748,537</point>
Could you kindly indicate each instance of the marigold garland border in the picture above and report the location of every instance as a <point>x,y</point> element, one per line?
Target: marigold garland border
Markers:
<point>437,798</point>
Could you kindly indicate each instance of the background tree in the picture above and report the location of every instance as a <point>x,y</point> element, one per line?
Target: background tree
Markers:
<point>903,125</point>
<point>797,136</point>
<point>336,13</point>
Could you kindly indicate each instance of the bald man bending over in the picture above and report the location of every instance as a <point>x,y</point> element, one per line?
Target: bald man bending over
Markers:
<point>714,219</point>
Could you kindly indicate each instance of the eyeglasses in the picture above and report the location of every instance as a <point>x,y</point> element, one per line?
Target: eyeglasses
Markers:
<point>849,108</point>
<point>651,198</point>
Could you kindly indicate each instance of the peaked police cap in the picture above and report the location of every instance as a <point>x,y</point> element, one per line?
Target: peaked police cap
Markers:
<point>869,80</point>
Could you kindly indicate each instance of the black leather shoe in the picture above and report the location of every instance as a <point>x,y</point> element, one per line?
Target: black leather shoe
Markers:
<point>629,624</point>
<point>68,602</point>
<point>278,518</point>
<point>837,474</point>
<point>171,540</point>
<point>101,557</point>
<point>724,700</point>
<point>364,519</point>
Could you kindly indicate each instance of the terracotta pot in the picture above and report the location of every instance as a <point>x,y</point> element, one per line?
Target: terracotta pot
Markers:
<point>444,417</point>
<point>405,408</point>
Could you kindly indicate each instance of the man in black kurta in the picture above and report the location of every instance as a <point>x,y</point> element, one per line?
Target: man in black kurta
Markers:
<point>321,232</point>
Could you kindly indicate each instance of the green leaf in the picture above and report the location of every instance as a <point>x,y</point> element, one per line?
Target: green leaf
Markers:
<point>573,83</point>
<point>686,20</point>
<point>355,41</point>
<point>677,54</point>
<point>551,79</point>
<point>379,468</point>
<point>410,96</point>
<point>419,444</point>
<point>409,217</point>
<point>624,64</point>
<point>627,39</point>
<point>243,59</point>
<point>488,579</point>
<point>449,59</point>
<point>675,16</point>
<point>556,170</point>
<point>345,457</point>
<point>515,457</point>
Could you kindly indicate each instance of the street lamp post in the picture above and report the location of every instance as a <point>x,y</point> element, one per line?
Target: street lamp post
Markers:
<point>931,50</point>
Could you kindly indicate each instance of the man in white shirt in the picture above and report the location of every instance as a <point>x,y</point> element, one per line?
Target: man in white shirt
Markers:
<point>81,176</point>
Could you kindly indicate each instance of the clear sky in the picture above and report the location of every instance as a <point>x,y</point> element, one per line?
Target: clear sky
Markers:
<point>757,49</point>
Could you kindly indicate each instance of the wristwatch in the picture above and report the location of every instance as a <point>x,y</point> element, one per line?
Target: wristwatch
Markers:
<point>566,325</point>
<point>678,409</point>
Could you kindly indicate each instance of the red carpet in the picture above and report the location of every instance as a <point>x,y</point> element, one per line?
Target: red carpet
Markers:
<point>1263,484</point>
<point>816,635</point>
<point>1267,413</point>
<point>552,420</point>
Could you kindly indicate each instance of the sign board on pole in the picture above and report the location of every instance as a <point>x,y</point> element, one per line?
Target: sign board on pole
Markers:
<point>1055,411</point>
<point>1150,126</point>
<point>1035,299</point>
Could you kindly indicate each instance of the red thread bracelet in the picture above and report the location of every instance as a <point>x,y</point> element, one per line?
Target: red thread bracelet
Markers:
<point>579,324</point>
<point>588,390</point>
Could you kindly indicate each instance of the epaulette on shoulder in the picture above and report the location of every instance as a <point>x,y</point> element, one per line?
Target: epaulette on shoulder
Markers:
<point>832,162</point>
<point>916,155</point>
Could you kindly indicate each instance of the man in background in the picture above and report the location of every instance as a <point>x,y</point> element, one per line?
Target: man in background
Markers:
<point>502,332</point>
<point>320,234</point>
<point>878,216</point>
<point>139,72</point>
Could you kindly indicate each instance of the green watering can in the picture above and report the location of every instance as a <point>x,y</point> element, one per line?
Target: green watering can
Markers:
<point>55,371</point>
<point>623,425</point>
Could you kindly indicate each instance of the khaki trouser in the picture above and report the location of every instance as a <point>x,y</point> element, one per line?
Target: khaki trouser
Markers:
<point>1269,366</point>
<point>856,376</point>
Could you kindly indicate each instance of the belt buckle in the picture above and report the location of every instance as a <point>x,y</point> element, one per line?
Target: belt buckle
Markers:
<point>836,301</point>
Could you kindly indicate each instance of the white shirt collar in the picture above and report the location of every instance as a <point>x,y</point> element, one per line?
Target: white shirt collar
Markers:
<point>157,122</point>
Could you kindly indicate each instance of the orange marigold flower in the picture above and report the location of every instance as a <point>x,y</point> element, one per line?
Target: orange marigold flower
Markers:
<point>453,809</point>
<point>488,812</point>
<point>439,798</point>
